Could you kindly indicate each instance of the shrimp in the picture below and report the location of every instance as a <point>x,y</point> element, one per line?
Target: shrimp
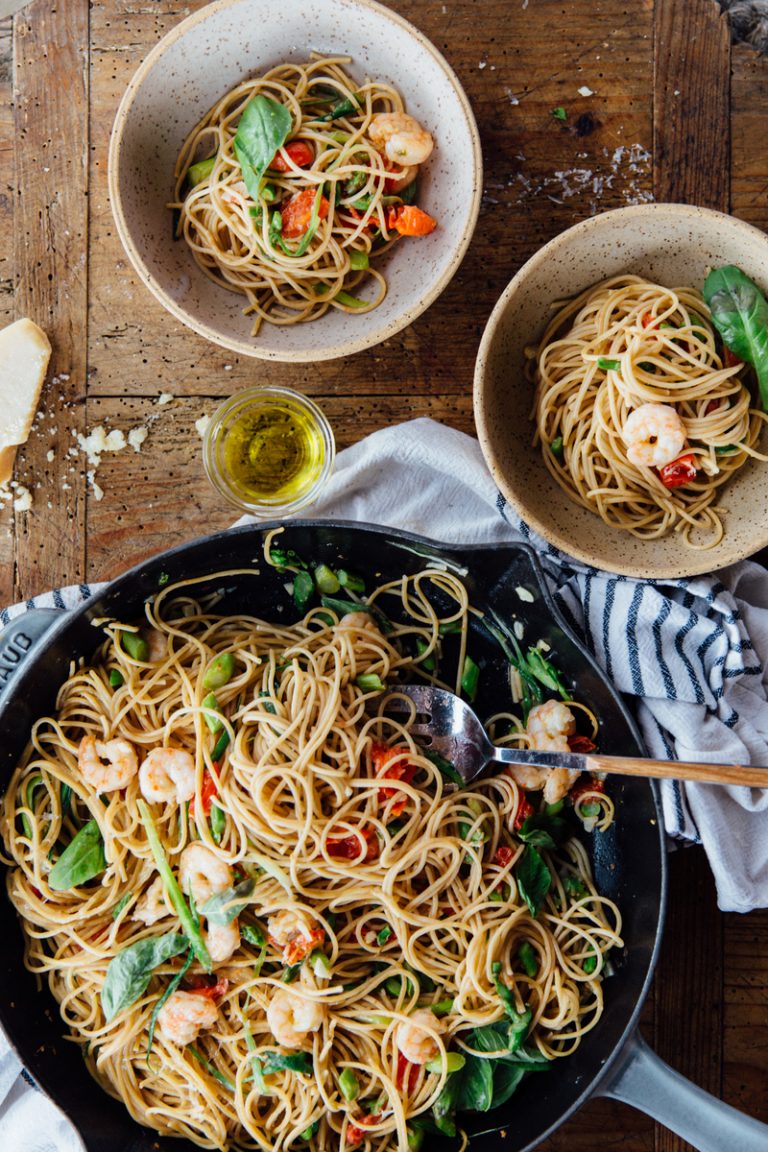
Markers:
<point>222,941</point>
<point>291,1018</point>
<point>151,906</point>
<point>359,622</point>
<point>415,1036</point>
<point>295,934</point>
<point>401,138</point>
<point>107,766</point>
<point>202,874</point>
<point>157,642</point>
<point>167,774</point>
<point>183,1016</point>
<point>654,435</point>
<point>549,726</point>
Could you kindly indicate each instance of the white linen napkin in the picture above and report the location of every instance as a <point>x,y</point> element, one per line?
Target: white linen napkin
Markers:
<point>689,655</point>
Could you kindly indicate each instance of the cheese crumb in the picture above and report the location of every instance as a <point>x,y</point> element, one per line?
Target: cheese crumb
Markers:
<point>202,424</point>
<point>165,398</point>
<point>136,438</point>
<point>50,455</point>
<point>584,91</point>
<point>524,595</point>
<point>22,500</point>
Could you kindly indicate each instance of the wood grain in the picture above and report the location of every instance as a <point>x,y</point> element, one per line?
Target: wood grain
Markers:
<point>691,120</point>
<point>51,245</point>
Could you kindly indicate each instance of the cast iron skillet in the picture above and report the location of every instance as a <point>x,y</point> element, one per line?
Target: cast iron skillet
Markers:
<point>628,860</point>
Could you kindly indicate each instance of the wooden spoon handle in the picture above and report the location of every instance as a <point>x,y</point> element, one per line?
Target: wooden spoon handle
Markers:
<point>680,770</point>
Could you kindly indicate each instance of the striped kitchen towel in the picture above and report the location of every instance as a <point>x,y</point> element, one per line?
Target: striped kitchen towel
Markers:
<point>689,655</point>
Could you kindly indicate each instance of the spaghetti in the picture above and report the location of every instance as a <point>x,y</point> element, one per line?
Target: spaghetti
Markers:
<point>641,415</point>
<point>294,183</point>
<point>370,927</point>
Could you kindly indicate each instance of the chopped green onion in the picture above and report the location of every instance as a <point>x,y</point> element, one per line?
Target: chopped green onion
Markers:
<point>384,934</point>
<point>556,447</point>
<point>454,1062</point>
<point>429,663</point>
<point>350,581</point>
<point>121,904</point>
<point>346,107</point>
<point>219,671</point>
<point>268,192</point>
<point>450,627</point>
<point>290,973</point>
<point>442,1007</point>
<point>135,645</point>
<point>590,964</point>
<point>218,822</point>
<point>303,590</point>
<point>559,114</point>
<point>370,682</point>
<point>220,746</point>
<point>321,965</point>
<point>470,676</point>
<point>308,1133</point>
<point>29,800</point>
<point>350,1089</point>
<point>608,365</point>
<point>116,678</point>
<point>358,259</point>
<point>527,956</point>
<point>219,1076</point>
<point>727,449</point>
<point>415,1138</point>
<point>326,580</point>
<point>215,723</point>
<point>200,171</point>
<point>350,301</point>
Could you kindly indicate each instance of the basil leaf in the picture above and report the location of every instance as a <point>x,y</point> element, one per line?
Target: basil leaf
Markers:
<point>264,126</point>
<point>740,314</point>
<point>444,1108</point>
<point>81,860</point>
<point>506,1080</point>
<point>226,906</point>
<point>273,1062</point>
<point>169,991</point>
<point>543,829</point>
<point>489,1038</point>
<point>444,766</point>
<point>533,878</point>
<point>476,1085</point>
<point>129,973</point>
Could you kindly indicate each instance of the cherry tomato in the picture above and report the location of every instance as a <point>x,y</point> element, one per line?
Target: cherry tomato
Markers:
<point>297,212</point>
<point>409,220</point>
<point>300,153</point>
<point>579,743</point>
<point>678,472</point>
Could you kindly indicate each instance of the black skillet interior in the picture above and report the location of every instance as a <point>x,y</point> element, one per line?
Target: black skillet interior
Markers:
<point>627,859</point>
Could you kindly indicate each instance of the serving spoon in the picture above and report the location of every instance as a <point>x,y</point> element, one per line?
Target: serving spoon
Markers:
<point>444,723</point>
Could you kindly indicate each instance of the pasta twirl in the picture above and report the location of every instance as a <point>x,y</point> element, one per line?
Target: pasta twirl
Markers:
<point>622,368</point>
<point>365,922</point>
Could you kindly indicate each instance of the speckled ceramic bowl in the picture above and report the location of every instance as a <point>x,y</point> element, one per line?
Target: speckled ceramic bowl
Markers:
<point>674,245</point>
<point>198,62</point>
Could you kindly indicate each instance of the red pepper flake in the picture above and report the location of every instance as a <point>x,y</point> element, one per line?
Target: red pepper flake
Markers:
<point>350,848</point>
<point>524,810</point>
<point>586,784</point>
<point>205,985</point>
<point>730,359</point>
<point>407,1075</point>
<point>208,792</point>
<point>579,743</point>
<point>381,757</point>
<point>504,855</point>
<point>678,472</point>
<point>356,1131</point>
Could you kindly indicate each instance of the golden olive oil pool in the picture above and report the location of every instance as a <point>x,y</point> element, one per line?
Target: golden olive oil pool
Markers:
<point>273,453</point>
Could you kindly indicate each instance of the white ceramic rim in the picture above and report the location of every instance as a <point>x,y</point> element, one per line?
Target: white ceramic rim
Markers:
<point>699,562</point>
<point>251,349</point>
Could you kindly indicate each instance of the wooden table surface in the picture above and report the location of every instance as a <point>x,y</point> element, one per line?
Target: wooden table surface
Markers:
<point>676,113</point>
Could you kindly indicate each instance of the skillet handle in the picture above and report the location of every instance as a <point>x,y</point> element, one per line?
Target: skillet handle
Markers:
<point>18,639</point>
<point>642,1079</point>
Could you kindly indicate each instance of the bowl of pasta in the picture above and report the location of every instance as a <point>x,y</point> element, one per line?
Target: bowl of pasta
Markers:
<point>289,188</point>
<point>621,389</point>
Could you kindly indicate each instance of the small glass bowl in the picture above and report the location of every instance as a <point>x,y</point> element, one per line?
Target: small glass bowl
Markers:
<point>269,450</point>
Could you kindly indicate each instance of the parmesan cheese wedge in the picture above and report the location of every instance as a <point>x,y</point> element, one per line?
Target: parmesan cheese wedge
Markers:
<point>24,354</point>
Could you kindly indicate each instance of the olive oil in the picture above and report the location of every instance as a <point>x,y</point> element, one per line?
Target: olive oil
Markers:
<point>269,450</point>
<point>273,453</point>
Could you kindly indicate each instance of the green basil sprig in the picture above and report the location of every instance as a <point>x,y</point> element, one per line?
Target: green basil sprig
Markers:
<point>81,860</point>
<point>533,878</point>
<point>129,973</point>
<point>272,1062</point>
<point>740,314</point>
<point>263,128</point>
<point>226,906</point>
